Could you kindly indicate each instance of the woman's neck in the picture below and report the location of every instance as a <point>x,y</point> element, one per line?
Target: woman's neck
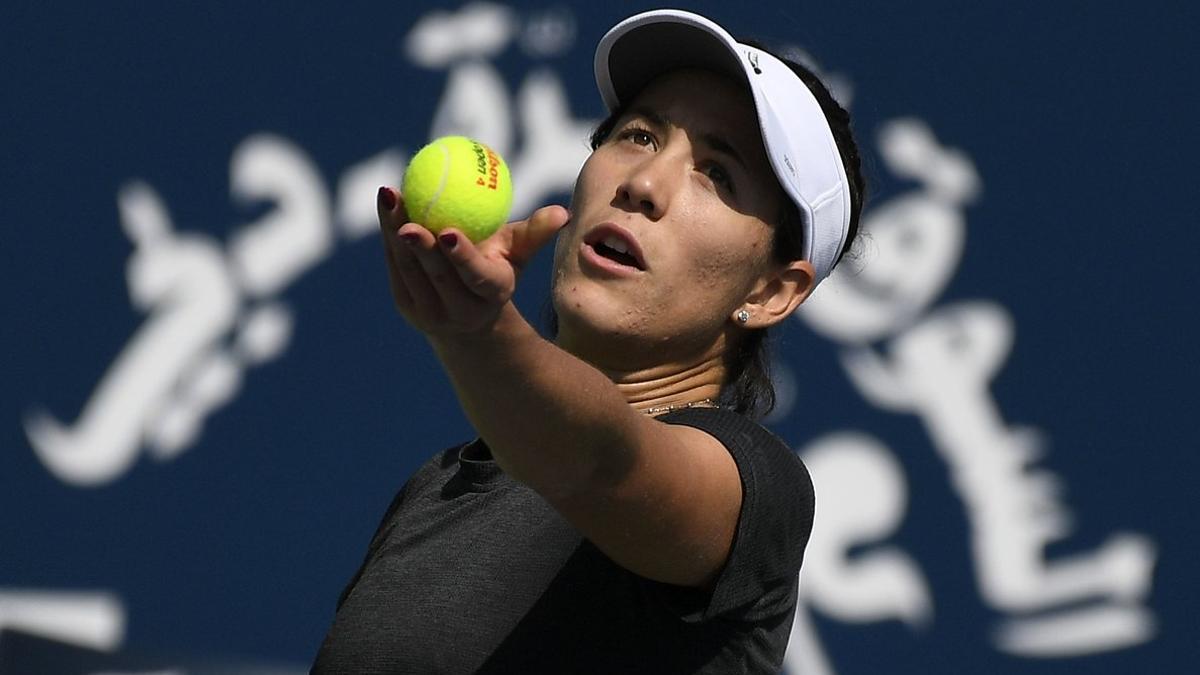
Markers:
<point>676,381</point>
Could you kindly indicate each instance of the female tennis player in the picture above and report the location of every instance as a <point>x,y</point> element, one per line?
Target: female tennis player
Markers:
<point>621,510</point>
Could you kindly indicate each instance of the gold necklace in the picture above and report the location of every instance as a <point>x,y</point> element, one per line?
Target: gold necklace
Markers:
<point>704,402</point>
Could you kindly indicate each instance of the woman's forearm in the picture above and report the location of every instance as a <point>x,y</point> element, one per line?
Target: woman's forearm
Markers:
<point>551,420</point>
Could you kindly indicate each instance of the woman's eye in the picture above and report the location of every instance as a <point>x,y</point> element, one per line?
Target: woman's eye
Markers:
<point>639,136</point>
<point>717,174</point>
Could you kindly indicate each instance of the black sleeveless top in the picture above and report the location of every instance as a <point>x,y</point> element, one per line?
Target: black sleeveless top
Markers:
<point>472,572</point>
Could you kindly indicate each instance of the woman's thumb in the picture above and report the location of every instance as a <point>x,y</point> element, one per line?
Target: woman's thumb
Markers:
<point>531,235</point>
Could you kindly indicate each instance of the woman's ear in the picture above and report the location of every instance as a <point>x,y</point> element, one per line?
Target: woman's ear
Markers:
<point>776,295</point>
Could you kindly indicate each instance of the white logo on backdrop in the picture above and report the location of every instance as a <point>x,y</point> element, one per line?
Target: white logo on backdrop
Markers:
<point>938,365</point>
<point>214,310</point>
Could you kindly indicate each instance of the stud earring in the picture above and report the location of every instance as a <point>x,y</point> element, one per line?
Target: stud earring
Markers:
<point>743,316</point>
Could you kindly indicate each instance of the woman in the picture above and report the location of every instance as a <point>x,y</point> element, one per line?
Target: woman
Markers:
<point>620,511</point>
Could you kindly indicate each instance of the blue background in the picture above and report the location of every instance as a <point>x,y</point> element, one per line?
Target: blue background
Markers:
<point>1079,118</point>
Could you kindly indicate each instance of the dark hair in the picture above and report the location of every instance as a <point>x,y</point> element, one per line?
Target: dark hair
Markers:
<point>748,388</point>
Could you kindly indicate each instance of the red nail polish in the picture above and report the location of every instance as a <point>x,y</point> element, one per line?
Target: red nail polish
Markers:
<point>387,198</point>
<point>449,240</point>
<point>410,238</point>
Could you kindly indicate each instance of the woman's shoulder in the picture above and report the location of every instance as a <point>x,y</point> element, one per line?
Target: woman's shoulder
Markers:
<point>775,519</point>
<point>761,455</point>
<point>435,470</point>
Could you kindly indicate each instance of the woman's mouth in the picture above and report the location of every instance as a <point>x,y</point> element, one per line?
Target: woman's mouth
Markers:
<point>613,248</point>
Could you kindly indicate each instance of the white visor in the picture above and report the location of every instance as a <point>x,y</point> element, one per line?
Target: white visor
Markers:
<point>795,133</point>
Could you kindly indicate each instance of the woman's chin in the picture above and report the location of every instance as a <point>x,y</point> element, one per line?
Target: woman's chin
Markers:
<point>591,305</point>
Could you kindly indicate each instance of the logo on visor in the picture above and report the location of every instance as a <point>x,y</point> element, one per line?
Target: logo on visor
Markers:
<point>753,56</point>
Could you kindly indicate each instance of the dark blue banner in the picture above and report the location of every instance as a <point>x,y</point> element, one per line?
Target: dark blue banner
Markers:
<point>208,399</point>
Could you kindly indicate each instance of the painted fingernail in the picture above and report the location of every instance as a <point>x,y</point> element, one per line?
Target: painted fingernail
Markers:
<point>410,238</point>
<point>449,240</point>
<point>387,198</point>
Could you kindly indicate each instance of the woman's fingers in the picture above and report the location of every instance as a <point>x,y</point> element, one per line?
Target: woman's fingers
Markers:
<point>426,299</point>
<point>387,203</point>
<point>423,283</point>
<point>446,281</point>
<point>470,278</point>
<point>490,279</point>
<point>458,302</point>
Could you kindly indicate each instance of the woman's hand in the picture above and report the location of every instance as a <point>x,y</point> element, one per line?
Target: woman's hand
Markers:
<point>447,285</point>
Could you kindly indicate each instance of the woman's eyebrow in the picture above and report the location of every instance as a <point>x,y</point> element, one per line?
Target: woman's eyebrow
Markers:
<point>722,146</point>
<point>651,115</point>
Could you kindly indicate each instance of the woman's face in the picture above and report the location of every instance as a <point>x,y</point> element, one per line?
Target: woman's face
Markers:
<point>669,230</point>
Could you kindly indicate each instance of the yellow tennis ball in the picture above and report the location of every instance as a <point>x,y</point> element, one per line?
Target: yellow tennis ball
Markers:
<point>458,182</point>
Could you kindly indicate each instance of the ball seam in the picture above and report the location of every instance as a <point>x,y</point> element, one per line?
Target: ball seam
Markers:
<point>437,194</point>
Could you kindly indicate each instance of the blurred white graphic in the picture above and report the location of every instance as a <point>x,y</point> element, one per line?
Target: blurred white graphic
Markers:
<point>95,620</point>
<point>212,312</point>
<point>938,365</point>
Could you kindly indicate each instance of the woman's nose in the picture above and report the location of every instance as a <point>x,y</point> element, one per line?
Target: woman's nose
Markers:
<point>649,186</point>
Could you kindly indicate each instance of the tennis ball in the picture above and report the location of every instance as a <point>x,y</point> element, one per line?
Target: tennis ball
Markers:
<point>458,182</point>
